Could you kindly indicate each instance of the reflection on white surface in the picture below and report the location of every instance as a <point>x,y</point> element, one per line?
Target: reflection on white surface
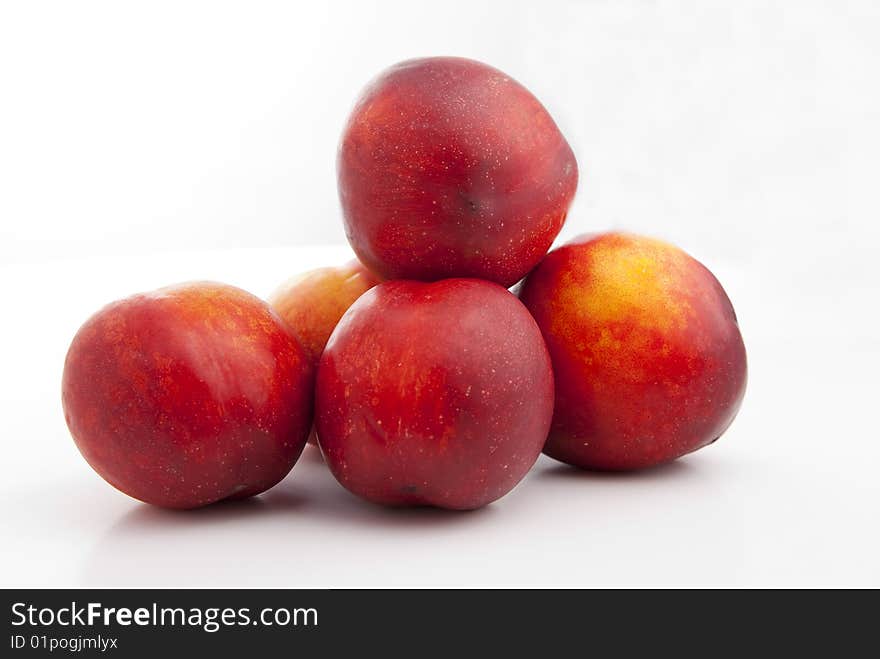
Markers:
<point>310,532</point>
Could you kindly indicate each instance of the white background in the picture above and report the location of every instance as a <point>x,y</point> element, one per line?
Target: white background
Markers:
<point>147,143</point>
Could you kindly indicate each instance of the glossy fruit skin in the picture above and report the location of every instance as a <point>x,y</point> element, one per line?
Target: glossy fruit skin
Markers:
<point>188,395</point>
<point>312,304</point>
<point>434,394</point>
<point>448,167</point>
<point>647,353</point>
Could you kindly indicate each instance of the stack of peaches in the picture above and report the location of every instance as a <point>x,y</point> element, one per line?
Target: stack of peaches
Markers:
<point>421,377</point>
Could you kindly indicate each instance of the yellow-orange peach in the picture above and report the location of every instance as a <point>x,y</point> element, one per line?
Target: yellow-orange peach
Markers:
<point>313,302</point>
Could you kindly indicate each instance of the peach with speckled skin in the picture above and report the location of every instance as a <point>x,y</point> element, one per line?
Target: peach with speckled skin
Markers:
<point>448,167</point>
<point>188,395</point>
<point>313,302</point>
<point>648,358</point>
<point>434,394</point>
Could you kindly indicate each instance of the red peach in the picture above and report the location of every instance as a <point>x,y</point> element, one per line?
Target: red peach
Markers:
<point>647,354</point>
<point>188,395</point>
<point>434,394</point>
<point>450,168</point>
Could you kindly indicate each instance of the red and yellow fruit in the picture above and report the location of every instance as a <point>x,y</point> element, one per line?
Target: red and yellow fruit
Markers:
<point>188,395</point>
<point>312,303</point>
<point>648,358</point>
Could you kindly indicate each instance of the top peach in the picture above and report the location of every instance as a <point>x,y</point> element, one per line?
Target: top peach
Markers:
<point>450,168</point>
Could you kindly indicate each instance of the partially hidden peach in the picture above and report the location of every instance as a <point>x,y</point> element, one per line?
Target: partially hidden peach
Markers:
<point>312,304</point>
<point>188,395</point>
<point>647,354</point>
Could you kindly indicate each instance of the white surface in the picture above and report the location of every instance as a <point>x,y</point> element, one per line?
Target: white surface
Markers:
<point>142,144</point>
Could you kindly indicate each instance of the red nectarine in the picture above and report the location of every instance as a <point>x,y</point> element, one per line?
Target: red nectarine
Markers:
<point>188,395</point>
<point>450,168</point>
<point>435,394</point>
